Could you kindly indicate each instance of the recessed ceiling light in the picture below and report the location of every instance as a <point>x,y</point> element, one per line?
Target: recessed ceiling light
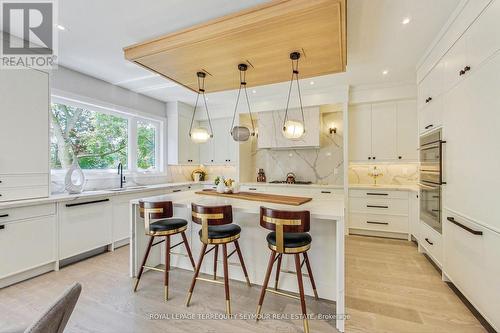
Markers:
<point>60,27</point>
<point>385,72</point>
<point>311,83</point>
<point>254,91</point>
<point>406,20</point>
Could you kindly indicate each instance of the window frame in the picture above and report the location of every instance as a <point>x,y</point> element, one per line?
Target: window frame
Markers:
<point>132,116</point>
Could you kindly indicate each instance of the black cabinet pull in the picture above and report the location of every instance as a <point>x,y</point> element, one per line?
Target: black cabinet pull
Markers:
<point>369,158</point>
<point>0,182</point>
<point>428,100</point>
<point>373,222</point>
<point>427,240</point>
<point>462,72</point>
<point>4,215</point>
<point>86,203</point>
<point>400,157</point>
<point>467,68</point>
<point>211,160</point>
<point>176,190</point>
<point>428,126</point>
<point>252,189</point>
<point>2,227</point>
<point>472,231</point>
<point>376,206</point>
<point>326,192</point>
<point>370,193</point>
<point>373,157</point>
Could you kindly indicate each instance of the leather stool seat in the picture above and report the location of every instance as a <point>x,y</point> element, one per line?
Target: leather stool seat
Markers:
<point>167,224</point>
<point>291,239</point>
<point>222,231</point>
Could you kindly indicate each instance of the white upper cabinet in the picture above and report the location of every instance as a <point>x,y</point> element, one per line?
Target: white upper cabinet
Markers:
<point>221,149</point>
<point>454,63</point>
<point>24,134</point>
<point>271,129</point>
<point>360,132</point>
<point>383,132</point>
<point>181,150</point>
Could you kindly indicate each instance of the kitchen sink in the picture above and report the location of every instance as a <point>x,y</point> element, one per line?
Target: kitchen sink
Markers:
<point>127,188</point>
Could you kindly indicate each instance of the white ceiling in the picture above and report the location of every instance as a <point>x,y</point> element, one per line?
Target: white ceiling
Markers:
<point>96,31</point>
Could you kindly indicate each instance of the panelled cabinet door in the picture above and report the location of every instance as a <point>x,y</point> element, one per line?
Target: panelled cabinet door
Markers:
<point>360,132</point>
<point>407,138</point>
<point>221,141</point>
<point>384,131</point>
<point>454,61</point>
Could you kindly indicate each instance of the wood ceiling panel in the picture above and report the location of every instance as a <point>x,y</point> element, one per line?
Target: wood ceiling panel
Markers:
<point>264,36</point>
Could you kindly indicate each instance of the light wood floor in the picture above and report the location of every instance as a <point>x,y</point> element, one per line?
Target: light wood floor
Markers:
<point>390,288</point>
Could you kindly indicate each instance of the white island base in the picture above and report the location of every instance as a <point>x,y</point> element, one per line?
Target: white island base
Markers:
<point>326,254</point>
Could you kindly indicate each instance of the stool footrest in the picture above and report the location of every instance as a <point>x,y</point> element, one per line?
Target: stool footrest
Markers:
<point>230,254</point>
<point>176,245</point>
<point>208,280</point>
<point>162,241</point>
<point>293,272</point>
<point>154,268</point>
<point>282,293</point>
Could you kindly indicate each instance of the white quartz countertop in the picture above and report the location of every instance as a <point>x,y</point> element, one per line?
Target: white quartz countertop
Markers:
<point>320,208</point>
<point>90,194</point>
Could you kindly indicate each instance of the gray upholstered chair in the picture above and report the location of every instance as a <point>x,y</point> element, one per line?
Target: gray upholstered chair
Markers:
<point>56,317</point>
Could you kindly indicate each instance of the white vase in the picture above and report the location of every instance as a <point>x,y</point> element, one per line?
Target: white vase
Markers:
<point>221,187</point>
<point>236,187</point>
<point>75,179</point>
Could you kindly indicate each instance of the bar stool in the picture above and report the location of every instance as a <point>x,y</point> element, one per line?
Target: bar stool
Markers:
<point>217,228</point>
<point>165,225</point>
<point>289,236</point>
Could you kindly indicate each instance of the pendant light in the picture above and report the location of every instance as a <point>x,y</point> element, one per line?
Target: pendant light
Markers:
<point>242,133</point>
<point>200,134</point>
<point>294,129</point>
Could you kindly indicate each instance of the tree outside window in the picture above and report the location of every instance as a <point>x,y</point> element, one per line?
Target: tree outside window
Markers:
<point>146,145</point>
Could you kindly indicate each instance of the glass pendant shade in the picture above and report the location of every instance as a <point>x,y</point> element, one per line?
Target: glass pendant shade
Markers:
<point>293,129</point>
<point>240,133</point>
<point>200,135</point>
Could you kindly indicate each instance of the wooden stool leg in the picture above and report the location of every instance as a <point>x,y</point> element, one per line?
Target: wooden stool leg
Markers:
<point>216,253</point>
<point>188,249</point>
<point>301,292</point>
<point>196,272</point>
<point>311,277</point>
<point>141,269</point>
<point>226,279</point>
<point>242,262</point>
<point>167,265</point>
<point>278,269</point>
<point>266,281</point>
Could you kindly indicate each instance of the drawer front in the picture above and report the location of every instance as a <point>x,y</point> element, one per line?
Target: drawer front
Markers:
<point>379,206</point>
<point>22,193</point>
<point>378,194</point>
<point>84,225</point>
<point>471,262</point>
<point>27,244</point>
<point>22,213</point>
<point>388,223</point>
<point>327,193</point>
<point>7,181</point>
<point>431,241</point>
<point>251,188</point>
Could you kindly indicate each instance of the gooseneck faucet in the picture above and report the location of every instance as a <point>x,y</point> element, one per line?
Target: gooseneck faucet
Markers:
<point>122,177</point>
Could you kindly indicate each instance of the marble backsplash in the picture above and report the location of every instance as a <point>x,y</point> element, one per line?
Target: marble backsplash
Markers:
<point>182,173</point>
<point>320,166</point>
<point>392,174</point>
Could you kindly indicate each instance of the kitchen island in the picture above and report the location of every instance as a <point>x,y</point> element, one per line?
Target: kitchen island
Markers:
<point>326,253</point>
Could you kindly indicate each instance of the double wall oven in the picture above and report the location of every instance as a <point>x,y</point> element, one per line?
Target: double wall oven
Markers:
<point>431,179</point>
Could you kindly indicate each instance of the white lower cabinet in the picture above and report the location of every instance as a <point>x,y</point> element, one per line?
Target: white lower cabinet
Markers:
<point>28,238</point>
<point>471,262</point>
<point>430,242</point>
<point>84,225</point>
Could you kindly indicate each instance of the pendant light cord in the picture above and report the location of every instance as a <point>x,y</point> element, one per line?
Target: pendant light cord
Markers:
<point>243,84</point>
<point>201,91</point>
<point>295,75</point>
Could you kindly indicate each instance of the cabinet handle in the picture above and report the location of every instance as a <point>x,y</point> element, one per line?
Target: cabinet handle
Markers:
<point>377,206</point>
<point>86,203</point>
<point>428,126</point>
<point>176,190</point>
<point>326,192</point>
<point>252,189</point>
<point>369,193</point>
<point>2,227</point>
<point>369,158</point>
<point>400,157</point>
<point>373,157</point>
<point>211,160</point>
<point>0,182</point>
<point>373,222</point>
<point>472,231</point>
<point>467,68</point>
<point>4,215</point>
<point>428,100</point>
<point>427,240</point>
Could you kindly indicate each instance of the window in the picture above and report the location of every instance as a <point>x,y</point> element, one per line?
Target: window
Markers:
<point>102,139</point>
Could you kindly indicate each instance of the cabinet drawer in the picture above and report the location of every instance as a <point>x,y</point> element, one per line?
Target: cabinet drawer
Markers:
<point>431,241</point>
<point>27,244</point>
<point>388,223</point>
<point>23,193</point>
<point>471,262</point>
<point>22,213</point>
<point>379,206</point>
<point>252,188</point>
<point>378,194</point>
<point>84,225</point>
<point>23,180</point>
